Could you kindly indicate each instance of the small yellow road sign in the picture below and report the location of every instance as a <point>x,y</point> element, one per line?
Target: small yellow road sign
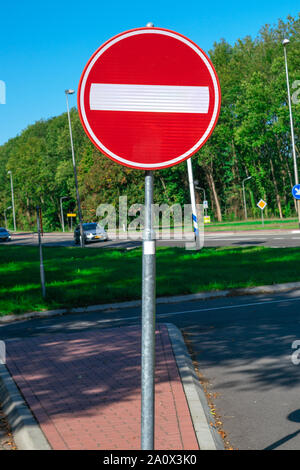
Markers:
<point>261,204</point>
<point>71,215</point>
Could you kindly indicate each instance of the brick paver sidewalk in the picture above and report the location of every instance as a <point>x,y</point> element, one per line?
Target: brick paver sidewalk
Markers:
<point>84,389</point>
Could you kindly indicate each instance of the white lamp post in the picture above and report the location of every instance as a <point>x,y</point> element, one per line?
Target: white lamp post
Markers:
<point>71,92</point>
<point>285,42</point>
<point>12,198</point>
<point>5,218</point>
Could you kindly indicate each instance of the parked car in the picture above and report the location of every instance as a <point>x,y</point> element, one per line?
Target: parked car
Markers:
<point>5,235</point>
<point>92,232</point>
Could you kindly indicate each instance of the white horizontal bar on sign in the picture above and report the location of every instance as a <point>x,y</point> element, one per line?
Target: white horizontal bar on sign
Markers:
<point>149,98</point>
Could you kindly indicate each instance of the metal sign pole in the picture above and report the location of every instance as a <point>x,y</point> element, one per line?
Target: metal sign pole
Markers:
<point>244,197</point>
<point>12,199</point>
<point>148,321</point>
<point>41,223</point>
<point>42,272</point>
<point>262,217</point>
<point>62,214</point>
<point>193,198</point>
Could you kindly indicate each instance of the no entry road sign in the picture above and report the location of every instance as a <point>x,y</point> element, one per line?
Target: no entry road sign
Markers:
<point>149,98</point>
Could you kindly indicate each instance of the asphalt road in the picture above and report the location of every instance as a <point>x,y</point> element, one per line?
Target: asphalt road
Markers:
<point>243,346</point>
<point>274,238</point>
<point>271,238</point>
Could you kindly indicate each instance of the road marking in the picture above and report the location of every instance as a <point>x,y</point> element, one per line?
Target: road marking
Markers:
<point>168,314</point>
<point>230,306</point>
<point>235,236</point>
<point>241,240</point>
<point>246,237</point>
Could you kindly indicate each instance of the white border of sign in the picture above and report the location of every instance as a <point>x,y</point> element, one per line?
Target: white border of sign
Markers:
<point>185,155</point>
<point>258,204</point>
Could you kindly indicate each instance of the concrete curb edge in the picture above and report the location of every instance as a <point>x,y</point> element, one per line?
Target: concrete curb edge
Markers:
<point>268,289</point>
<point>26,431</point>
<point>207,436</point>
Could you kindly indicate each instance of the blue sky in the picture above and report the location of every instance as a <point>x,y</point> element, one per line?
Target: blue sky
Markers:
<point>44,46</point>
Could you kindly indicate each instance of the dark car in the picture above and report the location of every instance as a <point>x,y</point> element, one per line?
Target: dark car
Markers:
<point>92,232</point>
<point>4,235</point>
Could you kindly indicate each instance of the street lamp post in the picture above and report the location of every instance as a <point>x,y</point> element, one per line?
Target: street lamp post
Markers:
<point>244,196</point>
<point>10,207</point>
<point>12,198</point>
<point>62,212</point>
<point>285,42</point>
<point>204,194</point>
<point>200,189</point>
<point>71,92</point>
<point>42,271</point>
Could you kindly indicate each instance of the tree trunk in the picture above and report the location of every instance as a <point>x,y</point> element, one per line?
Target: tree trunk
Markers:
<point>28,215</point>
<point>165,188</point>
<point>236,170</point>
<point>215,195</point>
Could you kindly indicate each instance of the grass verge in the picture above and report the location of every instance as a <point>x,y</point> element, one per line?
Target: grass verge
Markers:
<point>269,224</point>
<point>76,277</point>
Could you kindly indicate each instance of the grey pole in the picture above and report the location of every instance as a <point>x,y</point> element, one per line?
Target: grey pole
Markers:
<point>204,193</point>
<point>70,92</point>
<point>42,271</point>
<point>196,183</point>
<point>5,218</point>
<point>12,199</point>
<point>201,189</point>
<point>148,317</point>
<point>285,42</point>
<point>193,198</point>
<point>244,196</point>
<point>148,321</point>
<point>62,212</point>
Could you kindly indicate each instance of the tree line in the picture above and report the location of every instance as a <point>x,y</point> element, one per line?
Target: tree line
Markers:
<point>252,138</point>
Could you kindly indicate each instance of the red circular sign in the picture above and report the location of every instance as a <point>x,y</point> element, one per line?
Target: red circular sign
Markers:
<point>149,98</point>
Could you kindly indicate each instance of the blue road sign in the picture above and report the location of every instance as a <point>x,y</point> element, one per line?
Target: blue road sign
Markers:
<point>296,191</point>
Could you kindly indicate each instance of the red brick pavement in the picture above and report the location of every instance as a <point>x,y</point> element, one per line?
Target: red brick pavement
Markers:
<point>84,389</point>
